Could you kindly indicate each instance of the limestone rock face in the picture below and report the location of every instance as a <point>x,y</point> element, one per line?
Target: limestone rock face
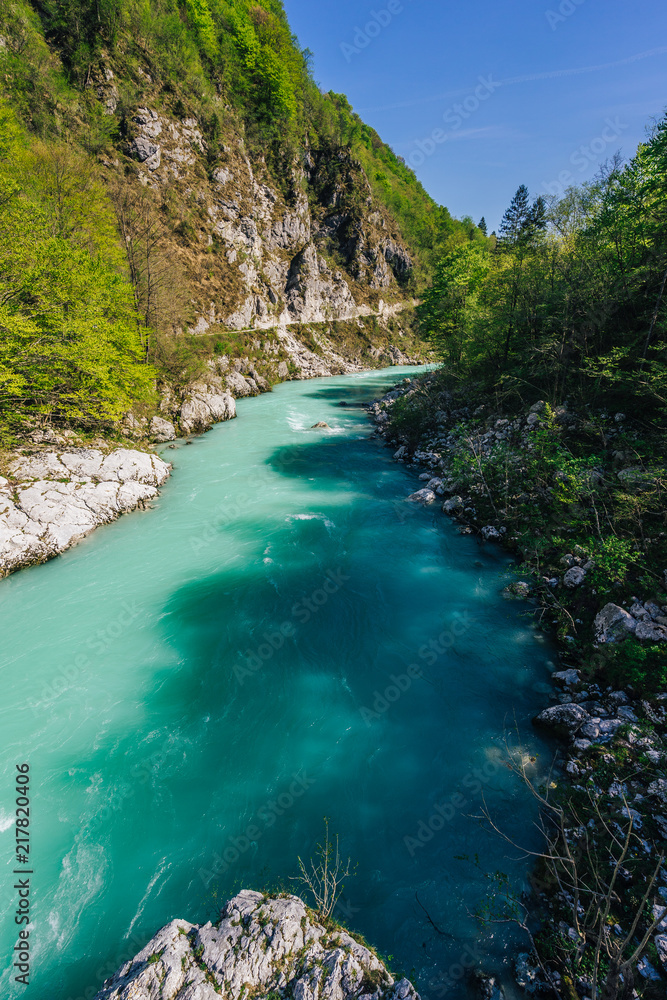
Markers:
<point>121,466</point>
<point>162,430</point>
<point>259,946</point>
<point>59,498</point>
<point>202,409</point>
<point>296,258</point>
<point>237,385</point>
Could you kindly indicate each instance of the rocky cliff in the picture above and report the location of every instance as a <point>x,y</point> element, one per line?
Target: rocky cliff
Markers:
<point>261,946</point>
<point>253,251</point>
<point>307,269</point>
<point>241,226</point>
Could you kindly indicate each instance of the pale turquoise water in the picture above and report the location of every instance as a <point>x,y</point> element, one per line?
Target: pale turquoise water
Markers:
<point>153,745</point>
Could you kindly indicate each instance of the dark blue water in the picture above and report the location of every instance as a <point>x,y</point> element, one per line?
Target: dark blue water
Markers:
<point>283,638</point>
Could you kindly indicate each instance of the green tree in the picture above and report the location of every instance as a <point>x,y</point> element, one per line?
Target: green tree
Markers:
<point>70,349</point>
<point>451,305</point>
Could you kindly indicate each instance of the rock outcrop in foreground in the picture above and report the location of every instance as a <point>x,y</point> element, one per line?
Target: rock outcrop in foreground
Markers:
<point>57,498</point>
<point>261,946</point>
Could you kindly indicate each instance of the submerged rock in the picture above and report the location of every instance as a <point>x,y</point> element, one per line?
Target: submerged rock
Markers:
<point>320,425</point>
<point>261,946</point>
<point>521,590</point>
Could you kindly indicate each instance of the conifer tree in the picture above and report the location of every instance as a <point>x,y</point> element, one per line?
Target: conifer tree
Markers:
<point>515,220</point>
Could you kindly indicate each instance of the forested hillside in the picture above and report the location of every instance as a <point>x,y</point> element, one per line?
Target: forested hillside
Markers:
<point>544,430</point>
<point>565,312</point>
<point>570,300</point>
<point>173,178</point>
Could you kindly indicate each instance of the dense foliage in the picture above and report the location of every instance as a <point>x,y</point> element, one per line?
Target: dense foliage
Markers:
<point>570,300</point>
<point>208,56</point>
<point>70,342</point>
<point>90,285</point>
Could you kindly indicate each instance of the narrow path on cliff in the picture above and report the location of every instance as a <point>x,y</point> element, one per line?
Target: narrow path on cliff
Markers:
<point>283,638</point>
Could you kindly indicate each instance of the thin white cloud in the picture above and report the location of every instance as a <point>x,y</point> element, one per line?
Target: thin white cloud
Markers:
<point>528,78</point>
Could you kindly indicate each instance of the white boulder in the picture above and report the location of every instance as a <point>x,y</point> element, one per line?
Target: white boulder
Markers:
<point>59,499</point>
<point>574,577</point>
<point>162,430</point>
<point>202,409</point>
<point>613,624</point>
<point>422,496</point>
<point>261,946</point>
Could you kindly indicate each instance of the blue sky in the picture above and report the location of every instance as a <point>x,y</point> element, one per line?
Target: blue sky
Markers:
<point>546,89</point>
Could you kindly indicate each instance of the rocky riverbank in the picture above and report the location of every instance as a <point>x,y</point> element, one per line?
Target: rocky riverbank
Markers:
<point>55,498</point>
<point>57,488</point>
<point>539,482</point>
<point>262,946</point>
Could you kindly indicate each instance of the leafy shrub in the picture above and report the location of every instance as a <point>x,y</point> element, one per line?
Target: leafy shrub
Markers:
<point>614,558</point>
<point>643,667</point>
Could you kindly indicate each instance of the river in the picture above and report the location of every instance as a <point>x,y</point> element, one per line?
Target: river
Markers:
<point>282,638</point>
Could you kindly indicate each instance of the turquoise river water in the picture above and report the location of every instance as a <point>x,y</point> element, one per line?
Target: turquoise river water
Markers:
<point>282,638</point>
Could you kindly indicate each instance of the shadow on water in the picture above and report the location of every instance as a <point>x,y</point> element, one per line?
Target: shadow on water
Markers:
<point>244,705</point>
<point>269,674</point>
<point>272,682</point>
<point>332,458</point>
<point>356,390</point>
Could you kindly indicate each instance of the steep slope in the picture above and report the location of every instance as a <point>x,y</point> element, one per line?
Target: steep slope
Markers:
<point>245,200</point>
<point>259,196</point>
